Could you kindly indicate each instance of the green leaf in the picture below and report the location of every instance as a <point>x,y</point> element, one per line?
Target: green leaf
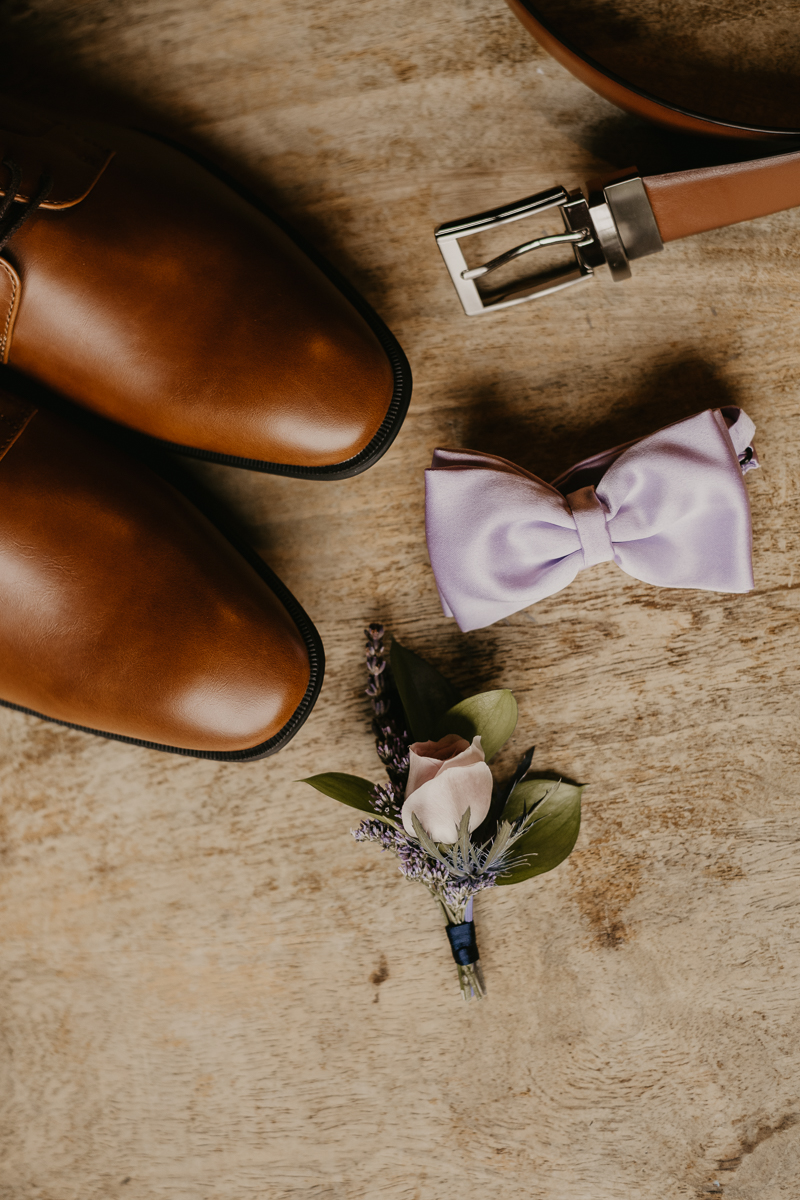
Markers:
<point>527,795</point>
<point>553,835</point>
<point>491,714</point>
<point>424,692</point>
<point>347,789</point>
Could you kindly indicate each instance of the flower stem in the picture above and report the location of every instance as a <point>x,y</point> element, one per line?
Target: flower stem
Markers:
<point>388,720</point>
<point>470,975</point>
<point>471,981</point>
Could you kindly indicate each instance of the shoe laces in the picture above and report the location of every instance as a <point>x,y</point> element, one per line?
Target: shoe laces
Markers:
<point>11,220</point>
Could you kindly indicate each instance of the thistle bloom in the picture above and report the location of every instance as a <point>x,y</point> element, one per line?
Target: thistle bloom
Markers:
<point>446,778</point>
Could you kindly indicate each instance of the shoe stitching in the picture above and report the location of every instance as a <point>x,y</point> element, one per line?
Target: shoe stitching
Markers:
<point>12,275</point>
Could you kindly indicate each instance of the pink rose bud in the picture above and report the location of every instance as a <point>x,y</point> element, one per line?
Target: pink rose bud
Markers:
<point>446,778</point>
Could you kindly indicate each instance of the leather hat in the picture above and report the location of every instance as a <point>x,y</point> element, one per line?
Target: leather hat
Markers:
<point>144,287</point>
<point>127,612</point>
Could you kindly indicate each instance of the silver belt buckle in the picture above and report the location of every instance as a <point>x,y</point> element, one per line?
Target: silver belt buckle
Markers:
<point>615,224</point>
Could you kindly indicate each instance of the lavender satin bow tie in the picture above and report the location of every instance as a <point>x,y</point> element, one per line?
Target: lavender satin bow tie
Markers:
<point>670,509</point>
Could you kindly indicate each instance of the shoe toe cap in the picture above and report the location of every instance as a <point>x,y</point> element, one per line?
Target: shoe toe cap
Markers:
<point>124,610</point>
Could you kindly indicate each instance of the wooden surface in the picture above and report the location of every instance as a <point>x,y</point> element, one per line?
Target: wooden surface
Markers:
<point>209,991</point>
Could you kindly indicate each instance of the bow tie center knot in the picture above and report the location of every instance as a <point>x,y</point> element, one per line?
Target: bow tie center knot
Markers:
<point>590,521</point>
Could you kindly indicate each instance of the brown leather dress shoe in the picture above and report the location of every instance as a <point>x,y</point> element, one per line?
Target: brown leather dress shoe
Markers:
<point>125,612</point>
<point>141,286</point>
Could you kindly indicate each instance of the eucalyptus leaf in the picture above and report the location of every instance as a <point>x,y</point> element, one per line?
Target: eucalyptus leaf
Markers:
<point>347,789</point>
<point>552,835</point>
<point>493,715</point>
<point>424,692</point>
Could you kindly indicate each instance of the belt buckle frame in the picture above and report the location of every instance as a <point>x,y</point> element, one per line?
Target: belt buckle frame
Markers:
<point>577,235</point>
<point>613,225</point>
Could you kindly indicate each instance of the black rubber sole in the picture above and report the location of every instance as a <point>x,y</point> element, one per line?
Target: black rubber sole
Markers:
<point>401,393</point>
<point>316,654</point>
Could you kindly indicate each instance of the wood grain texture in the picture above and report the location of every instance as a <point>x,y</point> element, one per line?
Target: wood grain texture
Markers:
<point>209,991</point>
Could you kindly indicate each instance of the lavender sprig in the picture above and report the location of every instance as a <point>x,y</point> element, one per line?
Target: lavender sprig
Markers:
<point>452,893</point>
<point>388,722</point>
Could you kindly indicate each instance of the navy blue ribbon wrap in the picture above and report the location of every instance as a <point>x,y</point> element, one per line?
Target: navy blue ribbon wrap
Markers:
<point>463,943</point>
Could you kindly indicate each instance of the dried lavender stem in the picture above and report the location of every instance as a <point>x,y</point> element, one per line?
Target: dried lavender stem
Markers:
<point>391,737</point>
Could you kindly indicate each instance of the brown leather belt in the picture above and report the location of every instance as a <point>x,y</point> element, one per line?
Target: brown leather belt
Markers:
<point>624,216</point>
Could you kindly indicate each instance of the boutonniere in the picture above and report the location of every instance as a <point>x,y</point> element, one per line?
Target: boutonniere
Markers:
<point>451,826</point>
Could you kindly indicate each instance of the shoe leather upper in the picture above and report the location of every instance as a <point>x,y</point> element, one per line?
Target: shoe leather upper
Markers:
<point>148,291</point>
<point>122,608</point>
